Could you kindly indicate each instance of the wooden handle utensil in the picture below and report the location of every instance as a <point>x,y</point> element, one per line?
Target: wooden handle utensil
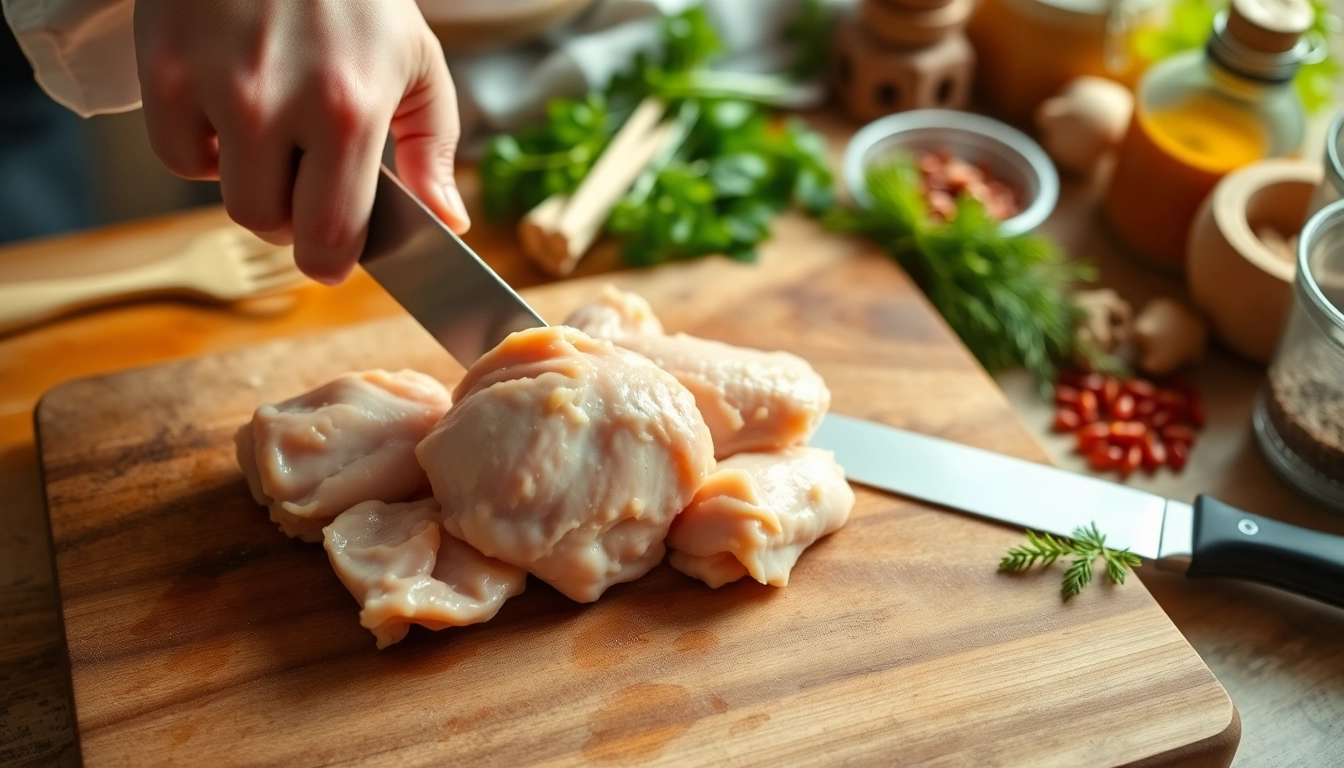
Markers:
<point>560,230</point>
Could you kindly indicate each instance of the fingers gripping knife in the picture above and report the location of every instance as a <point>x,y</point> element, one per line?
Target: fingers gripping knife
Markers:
<point>441,282</point>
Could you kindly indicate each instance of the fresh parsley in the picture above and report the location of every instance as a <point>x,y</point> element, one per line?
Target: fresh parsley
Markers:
<point>520,170</point>
<point>1085,547</point>
<point>1005,296</point>
<point>718,193</point>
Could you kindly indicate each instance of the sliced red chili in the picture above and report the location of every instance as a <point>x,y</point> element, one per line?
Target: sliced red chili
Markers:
<point>1093,435</point>
<point>1066,420</point>
<point>1105,457</point>
<point>1127,433</point>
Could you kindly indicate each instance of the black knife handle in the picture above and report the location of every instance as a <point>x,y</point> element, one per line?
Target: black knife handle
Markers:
<point>1235,544</point>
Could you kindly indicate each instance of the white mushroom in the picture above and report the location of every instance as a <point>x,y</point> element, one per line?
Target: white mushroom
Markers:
<point>1086,120</point>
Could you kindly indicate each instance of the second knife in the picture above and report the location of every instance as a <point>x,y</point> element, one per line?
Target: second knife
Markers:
<point>1208,538</point>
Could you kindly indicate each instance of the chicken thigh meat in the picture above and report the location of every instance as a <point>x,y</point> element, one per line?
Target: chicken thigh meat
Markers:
<point>568,457</point>
<point>352,440</point>
<point>403,569</point>
<point>757,513</point>
<point>615,315</point>
<point>752,400</point>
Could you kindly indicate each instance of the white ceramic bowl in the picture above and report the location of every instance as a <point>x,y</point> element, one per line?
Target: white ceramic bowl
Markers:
<point>1012,156</point>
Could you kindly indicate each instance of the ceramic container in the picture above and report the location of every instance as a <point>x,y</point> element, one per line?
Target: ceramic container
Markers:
<point>872,78</point>
<point>1008,153</point>
<point>907,27</point>
<point>1240,261</point>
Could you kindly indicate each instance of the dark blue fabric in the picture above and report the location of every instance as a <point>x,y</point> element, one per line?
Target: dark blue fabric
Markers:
<point>46,181</point>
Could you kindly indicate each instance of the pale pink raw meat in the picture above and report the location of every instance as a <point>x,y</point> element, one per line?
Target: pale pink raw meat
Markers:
<point>757,513</point>
<point>615,315</point>
<point>568,457</point>
<point>352,440</point>
<point>404,569</point>
<point>752,400</point>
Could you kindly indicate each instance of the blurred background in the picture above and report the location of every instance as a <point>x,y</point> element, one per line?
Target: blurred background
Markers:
<point>60,173</point>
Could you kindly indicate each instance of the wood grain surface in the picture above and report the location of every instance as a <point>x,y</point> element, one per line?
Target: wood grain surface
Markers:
<point>197,632</point>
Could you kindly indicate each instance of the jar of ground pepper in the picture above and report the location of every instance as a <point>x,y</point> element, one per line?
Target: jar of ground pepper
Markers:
<point>1299,417</point>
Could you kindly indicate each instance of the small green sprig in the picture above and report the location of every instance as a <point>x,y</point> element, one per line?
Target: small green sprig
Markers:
<point>1086,546</point>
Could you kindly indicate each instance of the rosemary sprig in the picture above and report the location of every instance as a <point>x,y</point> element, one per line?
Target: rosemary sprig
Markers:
<point>1086,546</point>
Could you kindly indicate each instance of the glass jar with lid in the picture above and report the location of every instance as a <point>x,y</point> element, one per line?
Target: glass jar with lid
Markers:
<point>1299,415</point>
<point>1202,114</point>
<point>1331,187</point>
<point>1028,50</point>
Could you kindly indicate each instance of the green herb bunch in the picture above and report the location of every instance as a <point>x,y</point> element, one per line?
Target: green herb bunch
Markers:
<point>520,170</point>
<point>718,193</point>
<point>1085,547</point>
<point>1190,22</point>
<point>1005,296</point>
<point>729,168</point>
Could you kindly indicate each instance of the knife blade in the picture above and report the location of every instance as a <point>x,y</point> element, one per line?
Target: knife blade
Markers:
<point>1207,538</point>
<point>440,281</point>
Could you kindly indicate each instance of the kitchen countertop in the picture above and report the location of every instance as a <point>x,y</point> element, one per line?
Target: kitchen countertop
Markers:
<point>1280,657</point>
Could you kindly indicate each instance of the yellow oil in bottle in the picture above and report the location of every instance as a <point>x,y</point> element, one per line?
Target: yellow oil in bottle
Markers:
<point>1171,159</point>
<point>1201,114</point>
<point>1209,134</point>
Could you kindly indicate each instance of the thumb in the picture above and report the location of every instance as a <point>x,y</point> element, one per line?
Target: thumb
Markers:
<point>426,129</point>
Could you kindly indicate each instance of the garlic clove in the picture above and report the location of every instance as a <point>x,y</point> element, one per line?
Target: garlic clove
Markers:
<point>1168,335</point>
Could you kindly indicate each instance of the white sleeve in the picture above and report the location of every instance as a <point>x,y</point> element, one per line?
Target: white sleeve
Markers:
<point>82,51</point>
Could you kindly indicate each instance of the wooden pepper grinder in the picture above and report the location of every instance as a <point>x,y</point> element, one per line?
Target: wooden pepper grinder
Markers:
<point>894,55</point>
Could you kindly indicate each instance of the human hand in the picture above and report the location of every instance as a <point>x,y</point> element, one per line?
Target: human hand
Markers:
<point>289,105</point>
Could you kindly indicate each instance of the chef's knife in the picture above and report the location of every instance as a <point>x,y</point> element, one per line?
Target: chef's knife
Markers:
<point>1209,538</point>
<point>441,282</point>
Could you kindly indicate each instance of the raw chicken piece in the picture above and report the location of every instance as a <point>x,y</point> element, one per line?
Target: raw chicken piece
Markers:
<point>404,569</point>
<point>751,400</point>
<point>352,440</point>
<point>757,513</point>
<point>615,315</point>
<point>569,457</point>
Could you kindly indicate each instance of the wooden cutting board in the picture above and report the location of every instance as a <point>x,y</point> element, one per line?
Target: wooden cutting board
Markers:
<point>199,634</point>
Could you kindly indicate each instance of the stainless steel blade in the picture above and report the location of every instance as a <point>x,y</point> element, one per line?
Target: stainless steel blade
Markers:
<point>1007,489</point>
<point>441,282</point>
